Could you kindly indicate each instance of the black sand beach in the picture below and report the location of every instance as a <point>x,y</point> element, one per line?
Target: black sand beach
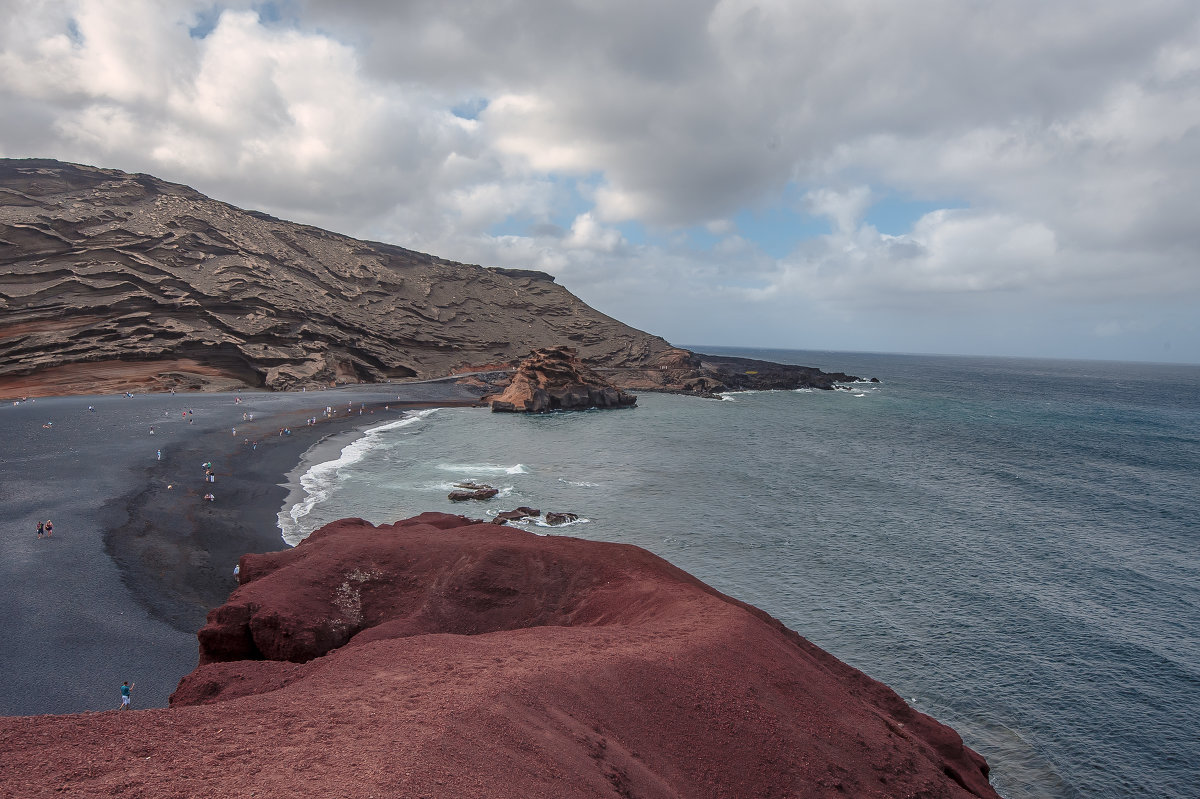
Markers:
<point>133,566</point>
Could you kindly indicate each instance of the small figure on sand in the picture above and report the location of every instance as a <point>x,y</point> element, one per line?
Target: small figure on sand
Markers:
<point>48,425</point>
<point>151,429</point>
<point>126,687</point>
<point>160,454</point>
<point>92,409</point>
<point>41,528</point>
<point>49,528</point>
<point>209,498</point>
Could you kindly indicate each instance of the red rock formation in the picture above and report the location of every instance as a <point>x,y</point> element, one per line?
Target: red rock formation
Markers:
<point>552,379</point>
<point>444,657</point>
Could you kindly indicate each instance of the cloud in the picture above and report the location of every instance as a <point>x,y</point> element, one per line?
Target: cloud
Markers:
<point>1059,151</point>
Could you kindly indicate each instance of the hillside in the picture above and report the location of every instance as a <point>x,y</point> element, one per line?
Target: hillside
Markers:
<point>111,281</point>
<point>130,277</point>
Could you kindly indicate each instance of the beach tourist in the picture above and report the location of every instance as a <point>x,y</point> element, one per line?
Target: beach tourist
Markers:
<point>49,528</point>
<point>126,687</point>
<point>41,528</point>
<point>160,454</point>
<point>209,498</point>
<point>151,429</point>
<point>235,432</point>
<point>92,409</point>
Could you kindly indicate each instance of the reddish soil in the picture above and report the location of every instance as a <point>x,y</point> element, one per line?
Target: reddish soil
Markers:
<point>441,657</point>
<point>110,377</point>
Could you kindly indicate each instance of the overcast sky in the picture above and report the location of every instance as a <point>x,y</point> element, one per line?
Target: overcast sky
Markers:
<point>1015,177</point>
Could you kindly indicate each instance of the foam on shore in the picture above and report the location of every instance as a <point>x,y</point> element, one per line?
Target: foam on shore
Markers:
<point>317,475</point>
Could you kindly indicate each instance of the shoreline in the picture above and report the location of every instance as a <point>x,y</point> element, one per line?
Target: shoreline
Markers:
<point>133,568</point>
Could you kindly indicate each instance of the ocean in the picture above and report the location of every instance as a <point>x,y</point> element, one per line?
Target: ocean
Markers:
<point>1012,545</point>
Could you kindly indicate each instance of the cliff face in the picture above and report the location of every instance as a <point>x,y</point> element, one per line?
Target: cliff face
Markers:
<point>111,280</point>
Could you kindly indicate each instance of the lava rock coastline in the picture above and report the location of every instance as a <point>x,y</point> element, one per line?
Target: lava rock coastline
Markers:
<point>444,657</point>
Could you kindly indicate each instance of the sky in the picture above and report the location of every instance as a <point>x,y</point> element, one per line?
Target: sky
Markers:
<point>1004,177</point>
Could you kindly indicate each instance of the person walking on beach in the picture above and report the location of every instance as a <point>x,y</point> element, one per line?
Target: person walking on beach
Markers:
<point>41,528</point>
<point>49,528</point>
<point>160,454</point>
<point>126,687</point>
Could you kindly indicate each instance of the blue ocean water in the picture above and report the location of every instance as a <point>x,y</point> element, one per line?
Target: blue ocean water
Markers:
<point>1013,545</point>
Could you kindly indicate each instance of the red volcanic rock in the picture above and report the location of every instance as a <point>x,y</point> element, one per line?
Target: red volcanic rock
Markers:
<point>554,379</point>
<point>445,657</point>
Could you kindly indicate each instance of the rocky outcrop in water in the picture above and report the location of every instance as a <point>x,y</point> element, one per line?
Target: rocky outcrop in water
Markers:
<point>465,493</point>
<point>554,379</point>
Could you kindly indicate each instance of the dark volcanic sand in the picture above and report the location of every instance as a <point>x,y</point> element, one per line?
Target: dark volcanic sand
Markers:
<point>121,588</point>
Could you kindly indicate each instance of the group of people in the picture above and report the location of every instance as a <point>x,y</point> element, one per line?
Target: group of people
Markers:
<point>45,528</point>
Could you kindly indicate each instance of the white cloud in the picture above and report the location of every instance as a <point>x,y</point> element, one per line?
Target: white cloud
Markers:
<point>1064,145</point>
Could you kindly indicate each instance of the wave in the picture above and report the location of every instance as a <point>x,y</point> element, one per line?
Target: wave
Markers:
<point>578,483</point>
<point>482,468</point>
<point>321,480</point>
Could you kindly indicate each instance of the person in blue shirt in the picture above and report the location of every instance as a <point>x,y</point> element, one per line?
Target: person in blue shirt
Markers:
<point>126,687</point>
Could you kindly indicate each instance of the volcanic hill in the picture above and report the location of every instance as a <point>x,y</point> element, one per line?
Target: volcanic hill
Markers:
<point>112,281</point>
<point>444,657</point>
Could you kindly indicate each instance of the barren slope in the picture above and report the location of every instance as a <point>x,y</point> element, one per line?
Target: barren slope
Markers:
<point>112,280</point>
